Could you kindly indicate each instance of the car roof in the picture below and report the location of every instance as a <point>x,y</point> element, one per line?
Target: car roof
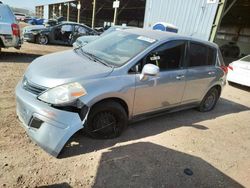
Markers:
<point>162,35</point>
<point>122,26</point>
<point>74,23</point>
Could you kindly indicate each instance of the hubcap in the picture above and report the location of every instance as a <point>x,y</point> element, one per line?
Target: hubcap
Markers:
<point>104,122</point>
<point>209,102</point>
<point>43,40</point>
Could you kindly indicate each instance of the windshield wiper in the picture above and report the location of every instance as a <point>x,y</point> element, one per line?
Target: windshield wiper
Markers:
<point>96,59</point>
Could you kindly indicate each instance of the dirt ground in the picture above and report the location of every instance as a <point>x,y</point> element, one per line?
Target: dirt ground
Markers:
<point>215,146</point>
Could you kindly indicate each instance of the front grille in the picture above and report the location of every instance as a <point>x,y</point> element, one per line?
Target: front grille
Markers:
<point>32,88</point>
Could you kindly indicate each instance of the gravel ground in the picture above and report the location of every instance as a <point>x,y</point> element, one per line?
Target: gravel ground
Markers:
<point>215,146</point>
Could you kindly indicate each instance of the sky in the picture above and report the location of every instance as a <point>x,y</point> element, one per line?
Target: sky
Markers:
<point>30,4</point>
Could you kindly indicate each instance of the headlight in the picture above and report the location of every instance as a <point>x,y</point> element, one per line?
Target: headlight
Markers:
<point>63,94</point>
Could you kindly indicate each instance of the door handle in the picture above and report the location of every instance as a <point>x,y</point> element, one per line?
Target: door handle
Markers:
<point>211,73</point>
<point>179,77</point>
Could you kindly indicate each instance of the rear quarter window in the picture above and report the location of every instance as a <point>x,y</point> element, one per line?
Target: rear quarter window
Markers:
<point>201,55</point>
<point>211,56</point>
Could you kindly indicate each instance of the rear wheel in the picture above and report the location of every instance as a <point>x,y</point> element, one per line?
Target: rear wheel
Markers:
<point>209,101</point>
<point>106,120</point>
<point>42,39</point>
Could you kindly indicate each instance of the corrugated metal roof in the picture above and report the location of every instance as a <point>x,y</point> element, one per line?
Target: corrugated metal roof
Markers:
<point>192,17</point>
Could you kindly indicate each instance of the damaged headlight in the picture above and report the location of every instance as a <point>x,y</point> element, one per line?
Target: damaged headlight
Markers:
<point>63,94</point>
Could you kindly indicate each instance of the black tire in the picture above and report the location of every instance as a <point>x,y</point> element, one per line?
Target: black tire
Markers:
<point>42,39</point>
<point>106,120</point>
<point>209,101</point>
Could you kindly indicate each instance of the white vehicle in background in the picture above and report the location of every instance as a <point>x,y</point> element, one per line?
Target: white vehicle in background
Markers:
<point>20,16</point>
<point>9,28</point>
<point>239,71</point>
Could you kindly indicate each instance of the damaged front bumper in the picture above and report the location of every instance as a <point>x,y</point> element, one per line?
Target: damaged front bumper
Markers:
<point>49,127</point>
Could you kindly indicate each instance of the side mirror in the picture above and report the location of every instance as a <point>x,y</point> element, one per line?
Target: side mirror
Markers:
<point>149,70</point>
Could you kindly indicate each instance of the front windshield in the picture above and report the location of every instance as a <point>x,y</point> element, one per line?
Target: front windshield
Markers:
<point>118,47</point>
<point>247,58</point>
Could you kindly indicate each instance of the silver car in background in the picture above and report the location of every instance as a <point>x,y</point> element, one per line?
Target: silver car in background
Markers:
<point>10,35</point>
<point>123,76</point>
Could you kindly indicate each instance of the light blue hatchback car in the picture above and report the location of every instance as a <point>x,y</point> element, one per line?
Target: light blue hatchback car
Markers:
<point>120,77</point>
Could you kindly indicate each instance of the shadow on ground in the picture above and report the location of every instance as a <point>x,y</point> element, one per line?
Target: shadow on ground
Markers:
<point>241,87</point>
<point>61,185</point>
<point>145,164</point>
<point>17,57</point>
<point>191,118</point>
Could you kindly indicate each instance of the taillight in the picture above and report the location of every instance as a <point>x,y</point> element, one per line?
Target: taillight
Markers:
<point>230,66</point>
<point>224,68</point>
<point>15,30</point>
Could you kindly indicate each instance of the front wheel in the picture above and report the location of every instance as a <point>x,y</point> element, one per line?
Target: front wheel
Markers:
<point>106,120</point>
<point>209,101</point>
<point>42,39</point>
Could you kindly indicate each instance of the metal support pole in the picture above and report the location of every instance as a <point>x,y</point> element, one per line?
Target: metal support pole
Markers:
<point>79,11</point>
<point>115,15</point>
<point>217,19</point>
<point>228,8</point>
<point>53,12</point>
<point>60,10</point>
<point>68,13</point>
<point>93,14</point>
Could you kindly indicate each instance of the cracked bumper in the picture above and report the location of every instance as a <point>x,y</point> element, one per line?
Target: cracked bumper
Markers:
<point>56,127</point>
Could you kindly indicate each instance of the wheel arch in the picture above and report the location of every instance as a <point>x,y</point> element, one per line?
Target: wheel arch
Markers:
<point>217,86</point>
<point>116,99</point>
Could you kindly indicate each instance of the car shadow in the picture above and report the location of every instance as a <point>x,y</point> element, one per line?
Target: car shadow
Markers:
<point>145,164</point>
<point>80,144</point>
<point>61,185</point>
<point>241,87</point>
<point>17,57</point>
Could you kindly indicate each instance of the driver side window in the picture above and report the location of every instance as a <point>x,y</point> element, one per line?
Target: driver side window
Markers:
<point>168,56</point>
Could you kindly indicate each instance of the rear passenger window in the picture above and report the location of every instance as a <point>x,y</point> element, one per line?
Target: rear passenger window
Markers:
<point>201,55</point>
<point>211,56</point>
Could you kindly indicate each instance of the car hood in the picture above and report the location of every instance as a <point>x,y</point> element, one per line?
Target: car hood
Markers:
<point>64,67</point>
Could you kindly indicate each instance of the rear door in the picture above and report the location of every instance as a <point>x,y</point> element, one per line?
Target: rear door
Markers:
<point>62,34</point>
<point>201,71</point>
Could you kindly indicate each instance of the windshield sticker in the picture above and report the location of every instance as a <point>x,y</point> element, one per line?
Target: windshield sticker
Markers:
<point>146,39</point>
<point>155,58</point>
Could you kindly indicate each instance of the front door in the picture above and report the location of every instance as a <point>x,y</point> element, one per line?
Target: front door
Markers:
<point>62,34</point>
<point>166,89</point>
